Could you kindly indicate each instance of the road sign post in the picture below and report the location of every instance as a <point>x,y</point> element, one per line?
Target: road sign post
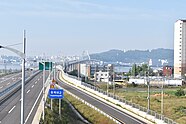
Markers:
<point>44,66</point>
<point>56,94</point>
<point>60,108</point>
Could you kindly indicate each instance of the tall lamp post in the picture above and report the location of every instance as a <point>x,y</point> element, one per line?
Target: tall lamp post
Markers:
<point>43,63</point>
<point>22,55</point>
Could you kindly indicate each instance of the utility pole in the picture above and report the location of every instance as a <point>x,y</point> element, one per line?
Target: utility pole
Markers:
<point>23,81</point>
<point>95,76</point>
<point>44,91</point>
<point>108,79</point>
<point>78,70</point>
<point>162,93</point>
<point>148,84</point>
<point>114,82</point>
<point>54,71</point>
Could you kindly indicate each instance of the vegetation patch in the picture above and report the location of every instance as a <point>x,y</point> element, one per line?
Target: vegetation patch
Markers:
<point>89,113</point>
<point>173,100</point>
<point>67,115</point>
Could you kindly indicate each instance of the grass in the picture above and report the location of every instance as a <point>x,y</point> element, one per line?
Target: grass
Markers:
<point>90,114</point>
<point>67,115</point>
<point>174,106</point>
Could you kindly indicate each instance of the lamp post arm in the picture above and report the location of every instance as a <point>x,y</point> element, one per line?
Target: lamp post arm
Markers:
<point>22,55</point>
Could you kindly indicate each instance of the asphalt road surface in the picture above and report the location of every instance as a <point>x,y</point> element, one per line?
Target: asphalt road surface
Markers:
<point>10,109</point>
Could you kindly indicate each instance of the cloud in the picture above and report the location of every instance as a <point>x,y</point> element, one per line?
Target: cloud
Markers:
<point>72,9</point>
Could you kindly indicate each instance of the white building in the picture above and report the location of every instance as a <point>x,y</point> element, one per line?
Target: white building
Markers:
<point>102,76</point>
<point>180,48</point>
<point>83,70</point>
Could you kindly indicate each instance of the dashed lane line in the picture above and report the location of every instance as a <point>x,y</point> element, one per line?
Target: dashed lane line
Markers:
<point>28,91</point>
<point>11,109</point>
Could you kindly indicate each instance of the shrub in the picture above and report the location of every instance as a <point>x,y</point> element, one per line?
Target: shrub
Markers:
<point>180,92</point>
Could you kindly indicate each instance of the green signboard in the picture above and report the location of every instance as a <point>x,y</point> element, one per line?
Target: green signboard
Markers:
<point>48,65</point>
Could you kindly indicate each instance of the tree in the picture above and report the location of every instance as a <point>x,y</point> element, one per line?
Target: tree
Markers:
<point>144,69</point>
<point>141,70</point>
<point>134,70</point>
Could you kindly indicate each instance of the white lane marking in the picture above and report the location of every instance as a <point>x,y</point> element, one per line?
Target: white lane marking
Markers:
<point>38,79</point>
<point>8,83</point>
<point>1,87</point>
<point>20,100</point>
<point>36,82</point>
<point>9,78</point>
<point>28,91</point>
<point>32,86</point>
<point>33,106</point>
<point>11,109</point>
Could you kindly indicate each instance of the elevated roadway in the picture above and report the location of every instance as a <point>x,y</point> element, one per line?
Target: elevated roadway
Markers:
<point>10,108</point>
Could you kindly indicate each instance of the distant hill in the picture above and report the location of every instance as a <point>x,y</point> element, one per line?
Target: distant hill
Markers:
<point>158,56</point>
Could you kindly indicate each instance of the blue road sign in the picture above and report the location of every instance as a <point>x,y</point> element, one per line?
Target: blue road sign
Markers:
<point>55,93</point>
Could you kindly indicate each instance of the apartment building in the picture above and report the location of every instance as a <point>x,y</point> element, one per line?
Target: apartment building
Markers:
<point>179,48</point>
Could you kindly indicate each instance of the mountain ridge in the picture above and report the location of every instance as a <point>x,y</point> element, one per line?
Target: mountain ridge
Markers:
<point>158,56</point>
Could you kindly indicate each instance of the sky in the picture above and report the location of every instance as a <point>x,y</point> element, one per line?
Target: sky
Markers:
<point>69,27</point>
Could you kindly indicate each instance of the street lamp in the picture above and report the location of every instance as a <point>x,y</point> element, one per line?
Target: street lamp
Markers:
<point>22,55</point>
<point>43,63</point>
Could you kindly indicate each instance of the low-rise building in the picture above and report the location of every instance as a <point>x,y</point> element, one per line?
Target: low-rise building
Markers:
<point>167,71</point>
<point>102,76</point>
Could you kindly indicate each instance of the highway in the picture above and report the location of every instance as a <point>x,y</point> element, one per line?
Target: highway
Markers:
<point>114,112</point>
<point>8,80</point>
<point>10,109</point>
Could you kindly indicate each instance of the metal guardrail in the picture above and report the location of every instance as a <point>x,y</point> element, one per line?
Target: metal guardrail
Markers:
<point>137,106</point>
<point>11,87</point>
<point>4,95</point>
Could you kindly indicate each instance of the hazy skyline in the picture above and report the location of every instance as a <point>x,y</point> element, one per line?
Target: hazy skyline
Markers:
<point>68,27</point>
